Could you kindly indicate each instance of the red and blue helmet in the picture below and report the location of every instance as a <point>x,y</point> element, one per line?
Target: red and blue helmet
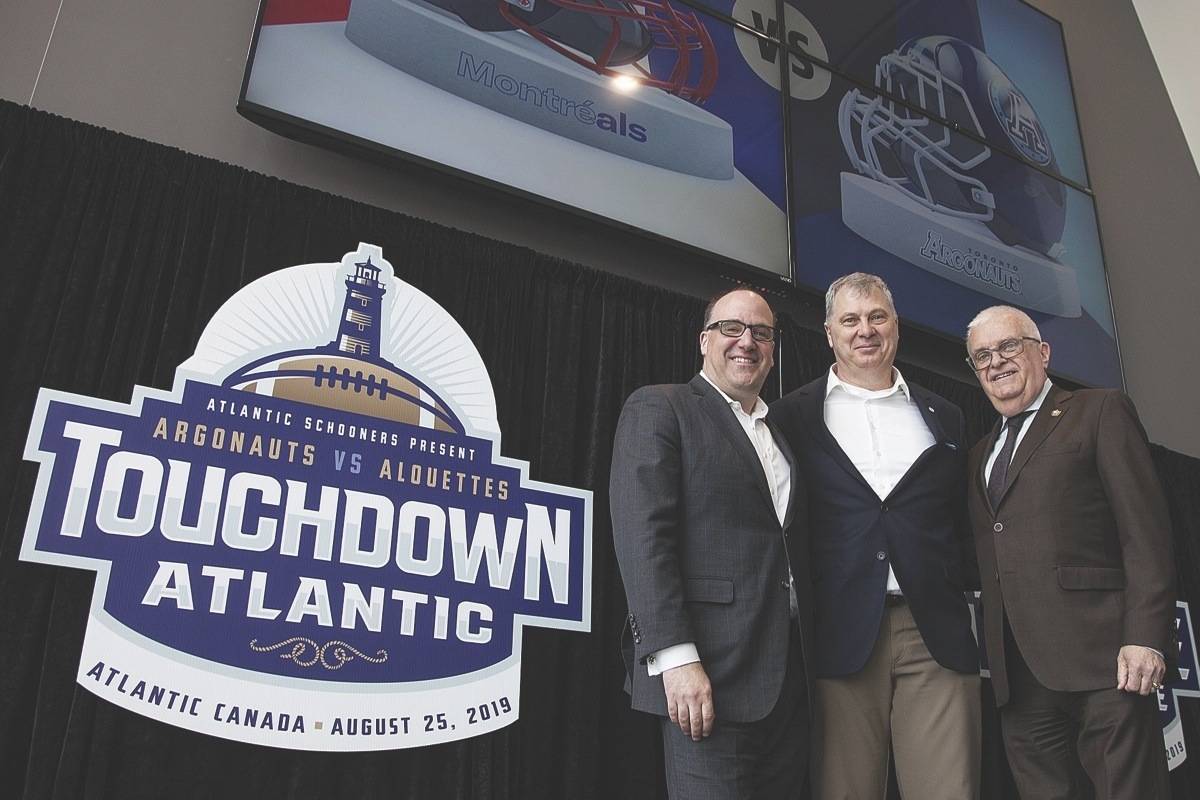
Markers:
<point>603,35</point>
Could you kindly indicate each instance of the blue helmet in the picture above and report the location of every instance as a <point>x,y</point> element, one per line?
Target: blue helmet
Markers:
<point>946,171</point>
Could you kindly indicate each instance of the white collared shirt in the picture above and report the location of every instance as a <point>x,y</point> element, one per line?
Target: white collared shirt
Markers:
<point>882,431</point>
<point>779,481</point>
<point>1034,406</point>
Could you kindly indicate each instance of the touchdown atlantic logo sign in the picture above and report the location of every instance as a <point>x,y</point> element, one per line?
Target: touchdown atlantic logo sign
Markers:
<point>312,540</point>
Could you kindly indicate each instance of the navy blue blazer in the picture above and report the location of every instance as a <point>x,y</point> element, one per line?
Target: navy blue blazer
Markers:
<point>920,529</point>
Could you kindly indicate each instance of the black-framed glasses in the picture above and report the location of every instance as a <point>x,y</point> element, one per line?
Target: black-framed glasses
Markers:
<point>734,328</point>
<point>1009,348</point>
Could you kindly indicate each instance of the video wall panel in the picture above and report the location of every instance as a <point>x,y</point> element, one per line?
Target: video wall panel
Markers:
<point>934,142</point>
<point>676,134</point>
<point>992,52</point>
<point>958,216</point>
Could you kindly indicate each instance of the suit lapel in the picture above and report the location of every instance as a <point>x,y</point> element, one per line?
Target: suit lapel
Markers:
<point>1044,422</point>
<point>932,420</point>
<point>723,418</point>
<point>812,409</point>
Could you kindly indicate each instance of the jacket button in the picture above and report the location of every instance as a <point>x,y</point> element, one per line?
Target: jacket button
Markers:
<point>998,527</point>
<point>880,556</point>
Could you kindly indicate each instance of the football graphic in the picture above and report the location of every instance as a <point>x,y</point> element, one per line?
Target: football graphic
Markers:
<point>348,373</point>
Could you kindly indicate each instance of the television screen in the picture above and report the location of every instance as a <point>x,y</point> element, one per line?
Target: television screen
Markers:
<point>643,113</point>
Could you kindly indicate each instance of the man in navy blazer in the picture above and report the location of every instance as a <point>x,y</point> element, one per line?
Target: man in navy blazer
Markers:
<point>893,657</point>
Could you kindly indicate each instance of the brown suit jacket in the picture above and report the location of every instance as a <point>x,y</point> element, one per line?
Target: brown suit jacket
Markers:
<point>1078,554</point>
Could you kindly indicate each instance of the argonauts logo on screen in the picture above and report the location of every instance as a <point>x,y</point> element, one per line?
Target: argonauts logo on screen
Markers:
<point>312,541</point>
<point>1019,121</point>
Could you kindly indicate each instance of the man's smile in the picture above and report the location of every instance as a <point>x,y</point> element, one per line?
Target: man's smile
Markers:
<point>1002,375</point>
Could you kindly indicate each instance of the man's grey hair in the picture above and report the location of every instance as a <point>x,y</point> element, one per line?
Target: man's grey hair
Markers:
<point>1026,326</point>
<point>860,283</point>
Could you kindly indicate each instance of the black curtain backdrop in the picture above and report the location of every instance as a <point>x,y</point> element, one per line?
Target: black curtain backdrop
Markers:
<point>115,253</point>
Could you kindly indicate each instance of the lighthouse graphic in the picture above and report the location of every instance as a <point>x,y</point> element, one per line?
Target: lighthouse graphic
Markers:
<point>358,333</point>
<point>350,373</point>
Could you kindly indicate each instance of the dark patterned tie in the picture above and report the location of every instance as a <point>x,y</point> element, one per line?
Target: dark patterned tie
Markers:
<point>999,476</point>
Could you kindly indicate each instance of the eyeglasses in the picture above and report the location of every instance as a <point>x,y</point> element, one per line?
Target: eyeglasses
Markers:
<point>733,328</point>
<point>1009,348</point>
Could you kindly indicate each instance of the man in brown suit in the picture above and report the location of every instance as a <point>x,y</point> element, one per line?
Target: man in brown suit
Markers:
<point>1074,546</point>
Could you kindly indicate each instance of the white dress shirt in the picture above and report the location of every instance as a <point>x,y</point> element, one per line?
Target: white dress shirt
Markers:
<point>1025,423</point>
<point>882,431</point>
<point>779,481</point>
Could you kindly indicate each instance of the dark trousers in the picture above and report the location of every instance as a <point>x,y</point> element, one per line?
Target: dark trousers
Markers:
<point>763,760</point>
<point>1058,741</point>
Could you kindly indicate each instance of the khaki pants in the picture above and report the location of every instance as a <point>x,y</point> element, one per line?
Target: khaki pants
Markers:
<point>928,714</point>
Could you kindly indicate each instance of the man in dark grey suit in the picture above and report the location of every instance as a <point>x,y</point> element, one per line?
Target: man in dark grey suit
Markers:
<point>702,493</point>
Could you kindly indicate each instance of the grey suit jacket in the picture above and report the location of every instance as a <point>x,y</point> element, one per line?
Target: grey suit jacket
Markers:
<point>1078,552</point>
<point>702,554</point>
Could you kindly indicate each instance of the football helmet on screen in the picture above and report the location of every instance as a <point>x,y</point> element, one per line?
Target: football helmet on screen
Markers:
<point>942,169</point>
<point>605,34</point>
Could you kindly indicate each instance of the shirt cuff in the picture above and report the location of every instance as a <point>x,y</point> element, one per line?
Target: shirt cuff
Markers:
<point>670,657</point>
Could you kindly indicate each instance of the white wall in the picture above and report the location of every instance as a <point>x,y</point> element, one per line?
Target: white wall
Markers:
<point>1147,195</point>
<point>170,71</point>
<point>1171,27</point>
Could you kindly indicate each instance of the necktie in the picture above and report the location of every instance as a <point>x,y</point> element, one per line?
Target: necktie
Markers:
<point>999,476</point>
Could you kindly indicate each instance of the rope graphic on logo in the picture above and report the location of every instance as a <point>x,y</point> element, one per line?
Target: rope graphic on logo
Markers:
<point>306,652</point>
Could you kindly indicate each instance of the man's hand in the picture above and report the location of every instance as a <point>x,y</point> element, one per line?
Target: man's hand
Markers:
<point>1139,669</point>
<point>689,699</point>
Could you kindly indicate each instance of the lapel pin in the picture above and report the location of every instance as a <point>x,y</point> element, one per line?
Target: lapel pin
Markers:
<point>952,445</point>
<point>931,411</point>
<point>1056,412</point>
